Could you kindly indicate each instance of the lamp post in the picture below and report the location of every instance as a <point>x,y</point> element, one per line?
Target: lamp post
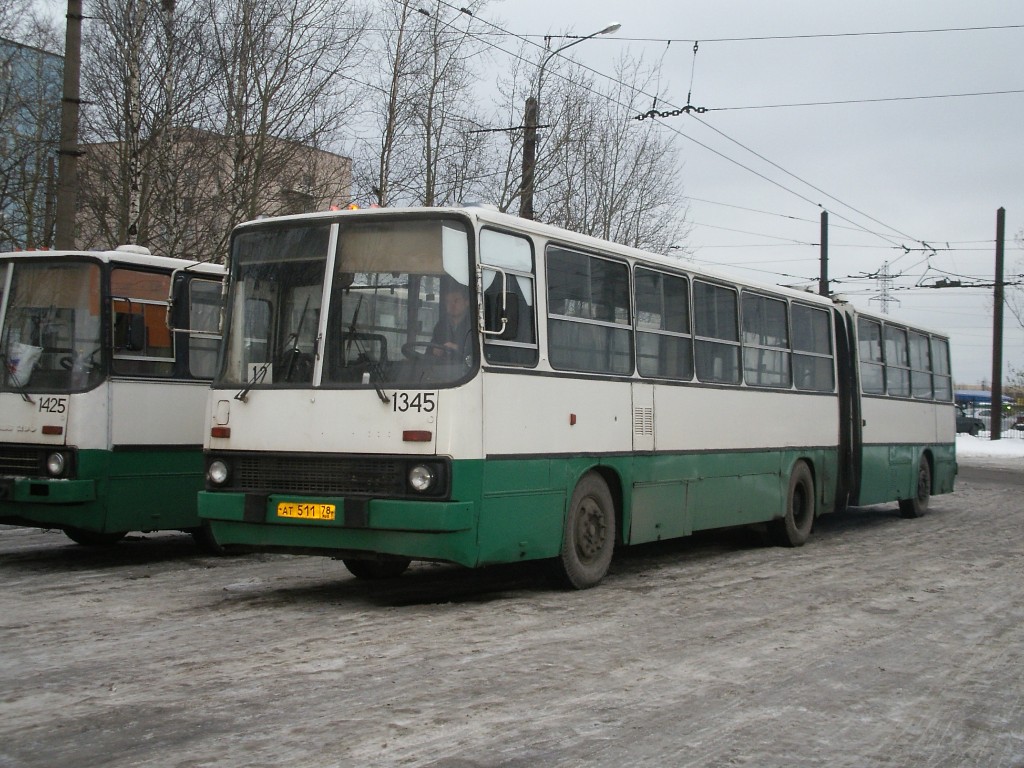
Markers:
<point>530,124</point>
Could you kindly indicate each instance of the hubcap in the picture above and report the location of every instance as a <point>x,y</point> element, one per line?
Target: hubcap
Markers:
<point>590,529</point>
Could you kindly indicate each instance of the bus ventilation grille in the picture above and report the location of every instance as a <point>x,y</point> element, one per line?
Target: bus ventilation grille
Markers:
<point>643,421</point>
<point>319,475</point>
<point>22,462</point>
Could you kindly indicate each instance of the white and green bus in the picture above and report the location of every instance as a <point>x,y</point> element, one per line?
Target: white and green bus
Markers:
<point>106,360</point>
<point>599,396</point>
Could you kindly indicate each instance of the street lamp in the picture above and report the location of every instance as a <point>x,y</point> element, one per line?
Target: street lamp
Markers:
<point>530,123</point>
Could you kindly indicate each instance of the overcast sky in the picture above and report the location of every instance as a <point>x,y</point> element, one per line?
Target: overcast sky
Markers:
<point>892,174</point>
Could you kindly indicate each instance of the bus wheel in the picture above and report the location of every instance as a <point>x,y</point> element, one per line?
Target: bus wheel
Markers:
<point>377,570</point>
<point>918,505</point>
<point>205,541</point>
<point>793,528</point>
<point>589,536</point>
<point>93,538</point>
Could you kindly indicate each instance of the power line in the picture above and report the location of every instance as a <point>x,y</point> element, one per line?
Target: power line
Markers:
<point>823,35</point>
<point>863,101</point>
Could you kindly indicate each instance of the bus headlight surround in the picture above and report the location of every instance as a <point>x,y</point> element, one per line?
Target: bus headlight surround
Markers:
<point>217,472</point>
<point>422,478</point>
<point>56,464</point>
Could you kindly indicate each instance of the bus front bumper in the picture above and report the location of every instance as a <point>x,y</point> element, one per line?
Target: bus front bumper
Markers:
<point>41,490</point>
<point>421,530</point>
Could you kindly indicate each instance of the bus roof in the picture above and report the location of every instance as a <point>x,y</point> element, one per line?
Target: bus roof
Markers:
<point>122,255</point>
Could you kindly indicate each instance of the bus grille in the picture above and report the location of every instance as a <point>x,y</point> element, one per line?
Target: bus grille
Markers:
<point>318,475</point>
<point>22,462</point>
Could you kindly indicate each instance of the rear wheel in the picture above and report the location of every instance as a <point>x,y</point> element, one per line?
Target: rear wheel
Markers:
<point>793,528</point>
<point>588,540</point>
<point>918,505</point>
<point>377,570</point>
<point>93,538</point>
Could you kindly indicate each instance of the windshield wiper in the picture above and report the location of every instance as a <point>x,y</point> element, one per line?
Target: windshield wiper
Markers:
<point>18,387</point>
<point>258,375</point>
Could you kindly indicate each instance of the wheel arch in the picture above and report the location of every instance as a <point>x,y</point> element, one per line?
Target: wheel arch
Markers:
<point>928,455</point>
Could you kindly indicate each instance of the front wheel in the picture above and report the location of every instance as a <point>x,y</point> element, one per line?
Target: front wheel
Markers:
<point>205,541</point>
<point>93,538</point>
<point>589,536</point>
<point>918,505</point>
<point>793,528</point>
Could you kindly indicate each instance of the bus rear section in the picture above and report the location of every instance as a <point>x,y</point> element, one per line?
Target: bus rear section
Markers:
<point>907,449</point>
<point>102,402</point>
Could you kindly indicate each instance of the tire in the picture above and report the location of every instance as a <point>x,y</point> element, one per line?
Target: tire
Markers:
<point>205,541</point>
<point>588,539</point>
<point>918,505</point>
<point>93,538</point>
<point>793,528</point>
<point>377,570</point>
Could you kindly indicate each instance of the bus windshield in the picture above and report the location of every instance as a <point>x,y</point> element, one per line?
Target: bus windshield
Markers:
<point>50,340</point>
<point>391,306</point>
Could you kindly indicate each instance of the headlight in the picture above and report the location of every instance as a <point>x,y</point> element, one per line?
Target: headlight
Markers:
<point>56,464</point>
<point>421,478</point>
<point>217,472</point>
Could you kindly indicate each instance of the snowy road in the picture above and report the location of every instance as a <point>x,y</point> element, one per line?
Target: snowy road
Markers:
<point>883,642</point>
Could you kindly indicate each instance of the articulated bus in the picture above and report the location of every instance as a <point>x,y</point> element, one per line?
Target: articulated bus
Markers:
<point>597,396</point>
<point>107,358</point>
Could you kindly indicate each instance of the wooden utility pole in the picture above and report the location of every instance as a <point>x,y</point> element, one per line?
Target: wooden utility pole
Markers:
<point>823,278</point>
<point>67,169</point>
<point>996,411</point>
<point>529,159</point>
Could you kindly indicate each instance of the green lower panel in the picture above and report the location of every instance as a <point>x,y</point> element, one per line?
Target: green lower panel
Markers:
<point>114,491</point>
<point>889,472</point>
<point>514,509</point>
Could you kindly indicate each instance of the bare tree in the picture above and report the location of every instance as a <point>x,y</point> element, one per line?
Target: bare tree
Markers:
<point>597,171</point>
<point>204,113</point>
<point>422,151</point>
<point>276,90</point>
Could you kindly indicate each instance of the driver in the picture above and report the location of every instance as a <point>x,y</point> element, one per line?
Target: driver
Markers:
<point>453,334</point>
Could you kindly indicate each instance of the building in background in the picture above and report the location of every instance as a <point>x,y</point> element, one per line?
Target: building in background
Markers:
<point>189,192</point>
<point>31,85</point>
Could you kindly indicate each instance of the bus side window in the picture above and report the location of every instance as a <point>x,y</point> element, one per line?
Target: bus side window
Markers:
<point>143,344</point>
<point>943,380</point>
<point>716,328</point>
<point>514,256</point>
<point>897,362</point>
<point>663,341</point>
<point>813,368</point>
<point>589,323</point>
<point>869,345</point>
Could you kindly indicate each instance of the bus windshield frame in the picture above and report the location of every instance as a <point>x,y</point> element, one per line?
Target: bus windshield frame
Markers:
<point>51,325</point>
<point>352,304</point>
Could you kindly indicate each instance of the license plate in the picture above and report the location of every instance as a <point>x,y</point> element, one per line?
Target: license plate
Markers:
<point>304,511</point>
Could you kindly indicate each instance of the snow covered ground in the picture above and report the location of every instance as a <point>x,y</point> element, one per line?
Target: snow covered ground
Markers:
<point>1007,453</point>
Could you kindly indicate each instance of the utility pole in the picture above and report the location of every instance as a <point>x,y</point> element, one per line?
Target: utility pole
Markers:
<point>530,125</point>
<point>823,279</point>
<point>67,170</point>
<point>996,411</point>
<point>529,159</point>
